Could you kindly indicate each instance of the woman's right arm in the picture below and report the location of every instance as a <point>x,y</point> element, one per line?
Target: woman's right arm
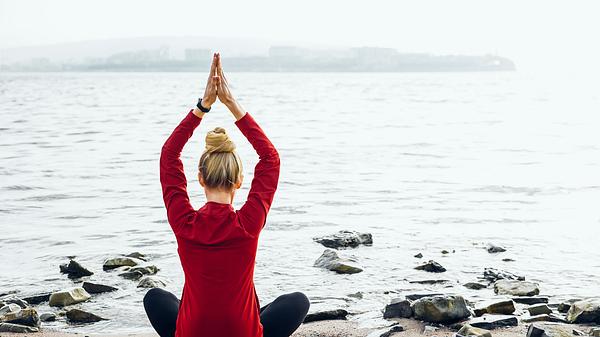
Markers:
<point>253,214</point>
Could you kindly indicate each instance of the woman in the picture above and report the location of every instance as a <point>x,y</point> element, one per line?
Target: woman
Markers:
<point>217,244</point>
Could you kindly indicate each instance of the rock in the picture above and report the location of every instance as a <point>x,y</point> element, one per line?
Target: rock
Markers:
<point>419,256</point>
<point>535,331</point>
<point>578,333</point>
<point>516,288</point>
<point>145,270</point>
<point>27,316</point>
<point>345,239</point>
<point>37,299</point>
<point>9,327</point>
<point>490,322</point>
<point>48,317</point>
<point>74,270</point>
<point>445,252</point>
<point>508,260</point>
<point>468,330</point>
<point>151,282</point>
<point>394,329</point>
<point>474,285</point>
<point>326,315</point>
<point>429,281</point>
<point>16,300</point>
<point>80,316</point>
<point>137,255</point>
<point>441,309</point>
<point>493,275</point>
<point>357,294</point>
<point>585,311</point>
<point>330,260</point>
<point>95,288</point>
<point>564,307</point>
<point>530,300</point>
<point>505,307</point>
<point>544,318</point>
<point>132,275</point>
<point>414,297</point>
<point>120,262</point>
<point>539,309</point>
<point>548,331</point>
<point>595,332</point>
<point>398,307</point>
<point>432,267</point>
<point>495,249</point>
<point>68,297</point>
<point>8,308</point>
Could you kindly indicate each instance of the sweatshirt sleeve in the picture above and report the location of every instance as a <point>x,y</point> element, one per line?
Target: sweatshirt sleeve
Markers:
<point>253,213</point>
<point>172,176</point>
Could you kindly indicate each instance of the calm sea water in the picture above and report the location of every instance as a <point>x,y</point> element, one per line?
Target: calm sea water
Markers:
<point>425,162</point>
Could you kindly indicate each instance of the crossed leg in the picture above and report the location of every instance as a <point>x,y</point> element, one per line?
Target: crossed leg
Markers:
<point>279,318</point>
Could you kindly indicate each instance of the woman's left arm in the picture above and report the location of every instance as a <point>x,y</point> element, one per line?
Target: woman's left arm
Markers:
<point>172,176</point>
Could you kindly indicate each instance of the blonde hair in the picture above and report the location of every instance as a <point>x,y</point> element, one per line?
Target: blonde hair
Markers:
<point>220,166</point>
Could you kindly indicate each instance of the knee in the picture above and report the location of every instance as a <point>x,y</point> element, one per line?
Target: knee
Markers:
<point>300,300</point>
<point>152,295</point>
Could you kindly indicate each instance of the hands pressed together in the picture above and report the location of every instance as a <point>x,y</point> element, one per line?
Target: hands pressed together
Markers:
<point>218,86</point>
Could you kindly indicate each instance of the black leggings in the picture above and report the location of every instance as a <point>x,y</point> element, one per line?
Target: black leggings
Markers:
<point>279,318</point>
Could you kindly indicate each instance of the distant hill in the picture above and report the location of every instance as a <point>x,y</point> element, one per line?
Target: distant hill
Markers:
<point>192,53</point>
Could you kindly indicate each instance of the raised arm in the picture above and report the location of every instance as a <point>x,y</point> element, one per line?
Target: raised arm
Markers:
<point>172,176</point>
<point>253,213</point>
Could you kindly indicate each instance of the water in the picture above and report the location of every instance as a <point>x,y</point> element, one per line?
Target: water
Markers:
<point>425,162</point>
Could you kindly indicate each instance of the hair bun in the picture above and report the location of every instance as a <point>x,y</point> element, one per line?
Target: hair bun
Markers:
<point>217,140</point>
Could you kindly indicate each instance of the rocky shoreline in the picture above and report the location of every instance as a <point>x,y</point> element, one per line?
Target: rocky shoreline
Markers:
<point>518,309</point>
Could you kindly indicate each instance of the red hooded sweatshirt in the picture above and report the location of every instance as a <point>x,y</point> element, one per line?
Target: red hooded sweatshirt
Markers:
<point>217,244</point>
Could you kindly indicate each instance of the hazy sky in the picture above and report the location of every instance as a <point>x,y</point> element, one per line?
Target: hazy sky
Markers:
<point>536,34</point>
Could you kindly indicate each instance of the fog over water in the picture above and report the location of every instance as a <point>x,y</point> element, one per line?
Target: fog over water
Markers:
<point>424,162</point>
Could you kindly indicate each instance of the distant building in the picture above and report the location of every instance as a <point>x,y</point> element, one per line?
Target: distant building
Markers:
<point>197,55</point>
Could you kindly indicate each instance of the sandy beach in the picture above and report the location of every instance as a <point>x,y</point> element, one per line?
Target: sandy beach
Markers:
<point>341,328</point>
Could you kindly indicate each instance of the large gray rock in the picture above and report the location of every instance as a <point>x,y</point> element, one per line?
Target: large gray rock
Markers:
<point>74,270</point>
<point>27,316</point>
<point>151,282</point>
<point>564,306</point>
<point>145,270</point>
<point>345,239</point>
<point>80,316</point>
<point>468,330</point>
<point>330,260</point>
<point>10,327</point>
<point>327,315</point>
<point>441,309</point>
<point>68,297</point>
<point>530,299</point>
<point>490,322</point>
<point>96,288</point>
<point>131,275</point>
<point>8,308</point>
<point>516,288</point>
<point>504,307</point>
<point>544,318</point>
<point>398,307</point>
<point>585,311</point>
<point>121,261</point>
<point>432,267</point>
<point>48,317</point>
<point>548,331</point>
<point>37,299</point>
<point>539,309</point>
